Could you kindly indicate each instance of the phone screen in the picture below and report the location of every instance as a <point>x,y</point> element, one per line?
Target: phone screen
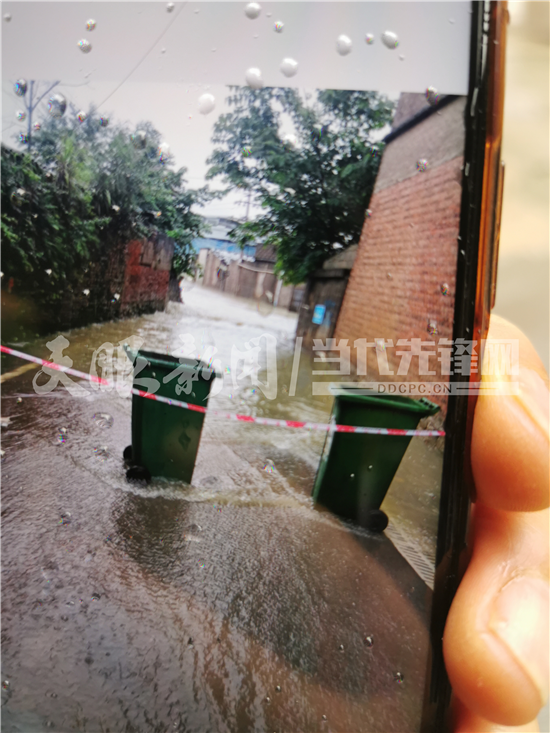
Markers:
<point>266,198</point>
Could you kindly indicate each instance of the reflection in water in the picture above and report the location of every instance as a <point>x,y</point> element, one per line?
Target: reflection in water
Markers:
<point>229,605</point>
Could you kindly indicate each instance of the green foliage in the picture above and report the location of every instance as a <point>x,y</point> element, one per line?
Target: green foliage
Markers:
<point>314,189</point>
<point>47,224</point>
<point>86,189</point>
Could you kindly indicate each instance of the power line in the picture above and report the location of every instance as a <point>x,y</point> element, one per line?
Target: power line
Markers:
<point>142,59</point>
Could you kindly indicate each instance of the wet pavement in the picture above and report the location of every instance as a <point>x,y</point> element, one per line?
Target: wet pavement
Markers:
<point>228,605</point>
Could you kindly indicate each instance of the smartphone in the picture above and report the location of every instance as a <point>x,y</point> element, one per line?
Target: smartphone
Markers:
<point>249,256</point>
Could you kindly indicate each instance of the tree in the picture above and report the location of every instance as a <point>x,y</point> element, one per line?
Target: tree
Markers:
<point>133,184</point>
<point>314,182</point>
<point>83,189</point>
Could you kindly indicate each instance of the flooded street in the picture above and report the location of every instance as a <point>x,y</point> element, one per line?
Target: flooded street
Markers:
<point>228,605</point>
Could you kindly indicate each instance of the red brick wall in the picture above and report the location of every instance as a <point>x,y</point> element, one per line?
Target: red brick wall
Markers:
<point>145,287</point>
<point>409,246</point>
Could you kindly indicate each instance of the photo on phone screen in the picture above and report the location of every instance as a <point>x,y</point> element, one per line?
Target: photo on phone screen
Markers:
<point>235,230</point>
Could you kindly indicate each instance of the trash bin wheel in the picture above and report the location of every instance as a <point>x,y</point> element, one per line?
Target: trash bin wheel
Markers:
<point>127,454</point>
<point>139,474</point>
<point>376,520</point>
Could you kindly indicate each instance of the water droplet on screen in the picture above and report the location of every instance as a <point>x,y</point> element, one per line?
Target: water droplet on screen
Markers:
<point>432,328</point>
<point>163,50</point>
<point>116,296</point>
<point>19,400</point>
<point>81,116</point>
<point>352,475</point>
<point>252,10</point>
<point>279,26</point>
<point>289,67</point>
<point>324,717</point>
<point>2,456</point>
<point>62,435</point>
<point>401,57</point>
<point>84,45</point>
<point>370,468</point>
<point>23,138</point>
<point>20,87</point>
<point>101,451</point>
<point>269,466</point>
<point>103,121</point>
<point>19,197</point>
<point>341,648</point>
<point>369,39</point>
<point>103,419</point>
<point>368,641</point>
<point>7,17</point>
<point>390,40</point>
<point>37,126</point>
<point>48,272</point>
<point>57,104</point>
<point>278,688</point>
<point>343,45</point>
<point>369,213</point>
<point>422,165</point>
<point>444,289</point>
<point>247,152</point>
<point>20,115</point>
<point>432,96</point>
<point>290,140</point>
<point>139,139</point>
<point>163,151</point>
<point>170,7</point>
<point>96,597</point>
<point>90,24</point>
<point>398,677</point>
<point>207,102</point>
<point>86,291</point>
<point>254,79</point>
<point>5,684</point>
<point>451,21</point>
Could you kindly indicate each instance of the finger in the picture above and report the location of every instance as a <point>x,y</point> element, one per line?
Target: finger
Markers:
<point>467,722</point>
<point>496,637</point>
<point>510,437</point>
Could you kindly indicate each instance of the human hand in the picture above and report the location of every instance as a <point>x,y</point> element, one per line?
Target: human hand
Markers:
<point>496,637</point>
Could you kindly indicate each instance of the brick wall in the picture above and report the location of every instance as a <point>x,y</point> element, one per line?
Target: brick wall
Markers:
<point>408,248</point>
<point>146,275</point>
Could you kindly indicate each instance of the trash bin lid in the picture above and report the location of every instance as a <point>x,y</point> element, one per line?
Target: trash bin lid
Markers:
<point>168,362</point>
<point>422,407</point>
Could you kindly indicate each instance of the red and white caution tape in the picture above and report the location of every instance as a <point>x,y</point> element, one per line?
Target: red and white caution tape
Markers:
<point>272,422</point>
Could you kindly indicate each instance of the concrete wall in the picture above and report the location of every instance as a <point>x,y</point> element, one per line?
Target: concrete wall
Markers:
<point>246,279</point>
<point>326,288</point>
<point>408,247</point>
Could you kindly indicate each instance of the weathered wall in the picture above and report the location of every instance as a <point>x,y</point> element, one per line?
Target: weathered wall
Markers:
<point>246,280</point>
<point>327,288</point>
<point>146,275</point>
<point>408,248</point>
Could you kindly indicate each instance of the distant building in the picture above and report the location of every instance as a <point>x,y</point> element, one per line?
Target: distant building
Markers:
<point>218,237</point>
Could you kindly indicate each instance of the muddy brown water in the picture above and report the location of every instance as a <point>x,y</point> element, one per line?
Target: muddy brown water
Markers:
<point>228,605</point>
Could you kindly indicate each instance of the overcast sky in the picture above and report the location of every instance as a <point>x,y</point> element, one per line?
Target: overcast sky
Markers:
<point>150,64</point>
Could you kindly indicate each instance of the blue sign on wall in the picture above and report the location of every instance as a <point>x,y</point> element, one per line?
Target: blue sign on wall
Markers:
<point>318,314</point>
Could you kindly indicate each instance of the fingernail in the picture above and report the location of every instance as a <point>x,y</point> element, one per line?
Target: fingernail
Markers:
<point>533,395</point>
<point>520,620</point>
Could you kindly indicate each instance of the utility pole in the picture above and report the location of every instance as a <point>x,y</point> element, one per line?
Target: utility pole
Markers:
<point>30,106</point>
<point>249,197</point>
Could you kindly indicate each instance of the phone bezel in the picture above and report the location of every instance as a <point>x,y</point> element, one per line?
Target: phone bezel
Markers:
<point>475,286</point>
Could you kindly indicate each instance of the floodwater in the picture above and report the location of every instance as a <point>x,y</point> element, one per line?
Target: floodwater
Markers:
<point>228,605</point>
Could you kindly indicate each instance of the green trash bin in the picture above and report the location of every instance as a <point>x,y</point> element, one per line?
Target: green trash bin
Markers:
<point>165,438</point>
<point>356,469</point>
